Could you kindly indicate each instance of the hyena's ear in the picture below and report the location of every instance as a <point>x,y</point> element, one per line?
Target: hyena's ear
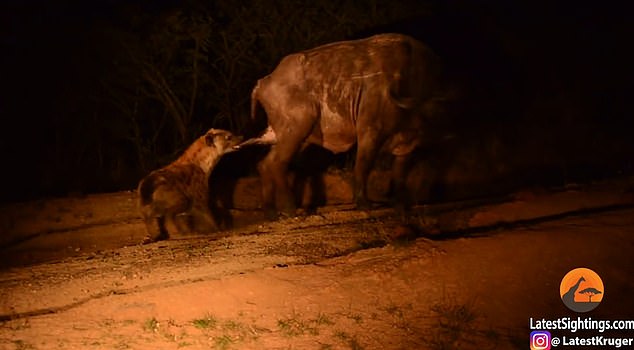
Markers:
<point>209,139</point>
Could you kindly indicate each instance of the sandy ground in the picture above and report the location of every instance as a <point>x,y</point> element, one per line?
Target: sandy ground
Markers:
<point>461,275</point>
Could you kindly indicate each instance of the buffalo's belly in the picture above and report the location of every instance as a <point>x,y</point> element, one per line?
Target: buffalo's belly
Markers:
<point>334,131</point>
<point>337,142</point>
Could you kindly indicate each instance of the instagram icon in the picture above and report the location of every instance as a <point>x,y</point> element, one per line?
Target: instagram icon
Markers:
<point>540,340</point>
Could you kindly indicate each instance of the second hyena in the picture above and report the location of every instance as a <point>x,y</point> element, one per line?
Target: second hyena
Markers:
<point>178,194</point>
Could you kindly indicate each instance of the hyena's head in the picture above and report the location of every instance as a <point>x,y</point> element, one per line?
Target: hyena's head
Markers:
<point>207,149</point>
<point>214,144</point>
<point>221,140</point>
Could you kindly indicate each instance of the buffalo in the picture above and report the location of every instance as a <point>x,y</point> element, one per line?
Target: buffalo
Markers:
<point>373,92</point>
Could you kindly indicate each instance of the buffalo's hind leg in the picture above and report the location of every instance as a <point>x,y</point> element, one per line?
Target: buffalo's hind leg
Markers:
<point>274,167</point>
<point>268,189</point>
<point>291,113</point>
<point>276,192</point>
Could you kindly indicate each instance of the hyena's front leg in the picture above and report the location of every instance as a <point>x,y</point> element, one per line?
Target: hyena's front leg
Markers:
<point>195,221</point>
<point>204,221</point>
<point>184,223</point>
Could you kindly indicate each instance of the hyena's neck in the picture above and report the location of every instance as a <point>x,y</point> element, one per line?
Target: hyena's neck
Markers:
<point>207,165</point>
<point>200,155</point>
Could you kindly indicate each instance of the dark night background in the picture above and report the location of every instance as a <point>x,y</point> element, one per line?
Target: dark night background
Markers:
<point>97,93</point>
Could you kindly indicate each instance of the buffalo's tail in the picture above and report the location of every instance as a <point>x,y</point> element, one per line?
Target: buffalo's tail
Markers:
<point>259,120</point>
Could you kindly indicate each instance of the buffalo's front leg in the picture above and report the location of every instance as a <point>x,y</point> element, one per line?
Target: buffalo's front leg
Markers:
<point>367,149</point>
<point>400,197</point>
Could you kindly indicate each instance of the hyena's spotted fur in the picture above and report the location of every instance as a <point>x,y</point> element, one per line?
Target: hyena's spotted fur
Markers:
<point>178,194</point>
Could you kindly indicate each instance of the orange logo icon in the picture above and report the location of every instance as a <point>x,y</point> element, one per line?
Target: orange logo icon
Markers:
<point>581,290</point>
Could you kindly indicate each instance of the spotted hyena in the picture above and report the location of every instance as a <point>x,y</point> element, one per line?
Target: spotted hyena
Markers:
<point>178,194</point>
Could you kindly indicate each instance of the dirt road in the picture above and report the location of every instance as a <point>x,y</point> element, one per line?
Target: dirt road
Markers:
<point>461,276</point>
